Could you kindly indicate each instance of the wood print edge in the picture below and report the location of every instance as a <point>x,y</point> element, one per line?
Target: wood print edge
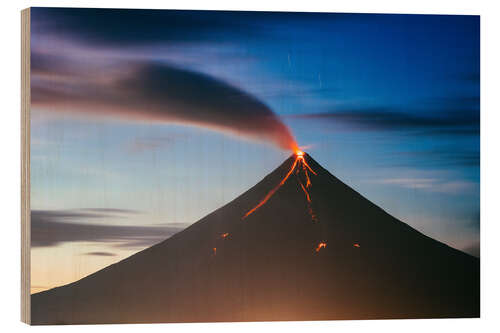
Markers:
<point>25,167</point>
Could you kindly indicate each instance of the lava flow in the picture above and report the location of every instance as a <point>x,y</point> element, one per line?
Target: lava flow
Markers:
<point>320,246</point>
<point>298,165</point>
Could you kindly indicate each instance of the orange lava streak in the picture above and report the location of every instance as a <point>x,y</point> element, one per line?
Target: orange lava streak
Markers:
<point>289,173</point>
<point>270,194</point>
<point>320,246</point>
<point>308,183</point>
<point>309,208</point>
<point>307,165</point>
<point>299,159</point>
<point>305,191</point>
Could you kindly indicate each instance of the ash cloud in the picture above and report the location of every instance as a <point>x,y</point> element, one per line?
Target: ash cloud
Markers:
<point>92,67</point>
<point>83,62</point>
<point>157,92</point>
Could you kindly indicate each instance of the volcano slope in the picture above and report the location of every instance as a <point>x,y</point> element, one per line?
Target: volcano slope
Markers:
<point>266,266</point>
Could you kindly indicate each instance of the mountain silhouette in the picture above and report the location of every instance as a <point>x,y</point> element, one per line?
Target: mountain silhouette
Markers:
<point>270,265</point>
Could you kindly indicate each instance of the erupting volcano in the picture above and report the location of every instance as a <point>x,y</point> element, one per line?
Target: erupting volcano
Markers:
<point>299,165</point>
<point>299,245</point>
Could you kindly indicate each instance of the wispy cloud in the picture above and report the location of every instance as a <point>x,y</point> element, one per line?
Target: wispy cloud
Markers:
<point>408,182</point>
<point>443,115</point>
<point>453,122</point>
<point>442,157</point>
<point>428,184</point>
<point>52,227</point>
<point>111,210</point>
<point>106,27</point>
<point>100,254</point>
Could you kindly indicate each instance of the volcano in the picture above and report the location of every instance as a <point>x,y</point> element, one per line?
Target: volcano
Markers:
<point>314,249</point>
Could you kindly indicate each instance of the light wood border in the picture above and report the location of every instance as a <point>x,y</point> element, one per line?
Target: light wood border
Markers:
<point>25,167</point>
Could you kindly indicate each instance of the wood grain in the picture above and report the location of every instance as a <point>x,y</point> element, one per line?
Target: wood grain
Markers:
<point>25,166</point>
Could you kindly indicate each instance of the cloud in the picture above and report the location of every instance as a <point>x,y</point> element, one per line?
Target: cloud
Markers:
<point>111,210</point>
<point>449,115</point>
<point>428,184</point>
<point>100,254</point>
<point>408,182</point>
<point>53,227</point>
<point>453,122</point>
<point>64,215</point>
<point>443,157</point>
<point>157,92</point>
<point>121,28</point>
<point>102,27</point>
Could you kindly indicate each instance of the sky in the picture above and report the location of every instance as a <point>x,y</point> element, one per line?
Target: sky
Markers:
<point>143,122</point>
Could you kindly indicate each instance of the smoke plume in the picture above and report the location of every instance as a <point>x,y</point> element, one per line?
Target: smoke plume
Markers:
<point>149,91</point>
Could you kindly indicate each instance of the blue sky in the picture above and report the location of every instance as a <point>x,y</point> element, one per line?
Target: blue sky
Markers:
<point>387,103</point>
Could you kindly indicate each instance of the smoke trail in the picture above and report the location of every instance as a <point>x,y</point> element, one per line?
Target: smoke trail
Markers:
<point>157,92</point>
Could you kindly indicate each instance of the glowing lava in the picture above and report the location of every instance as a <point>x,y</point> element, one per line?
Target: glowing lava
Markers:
<point>320,246</point>
<point>270,194</point>
<point>298,165</point>
<point>305,168</point>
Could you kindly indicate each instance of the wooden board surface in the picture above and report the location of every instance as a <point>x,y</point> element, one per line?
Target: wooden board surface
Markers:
<point>25,166</point>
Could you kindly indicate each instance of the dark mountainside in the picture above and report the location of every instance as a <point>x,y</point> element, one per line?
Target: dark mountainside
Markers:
<point>267,267</point>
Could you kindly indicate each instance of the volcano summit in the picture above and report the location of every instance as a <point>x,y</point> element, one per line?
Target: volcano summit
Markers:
<point>299,245</point>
